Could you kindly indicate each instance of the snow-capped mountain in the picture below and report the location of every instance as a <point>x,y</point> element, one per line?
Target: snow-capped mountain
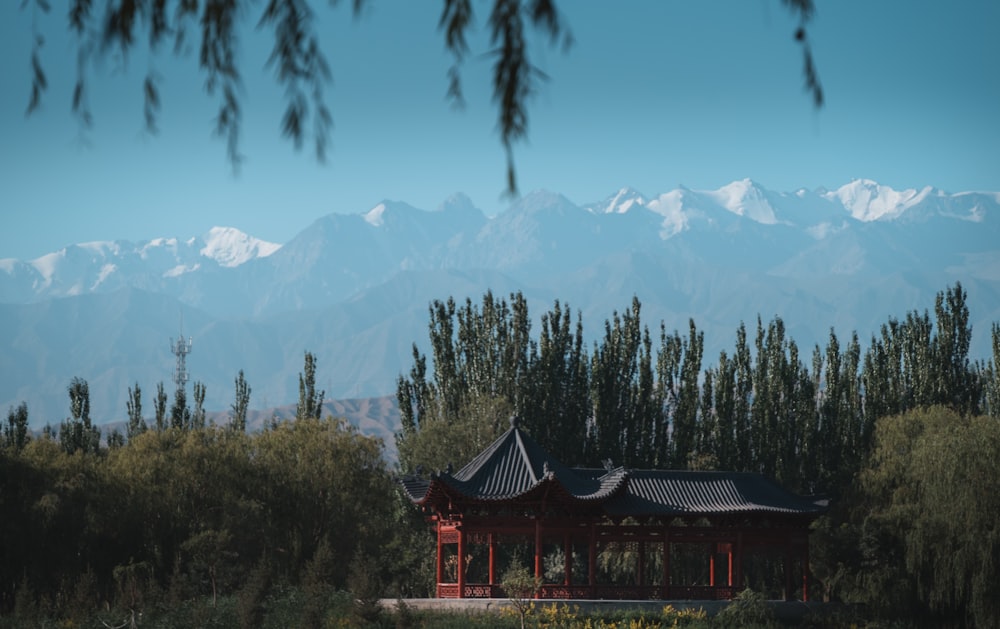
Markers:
<point>230,247</point>
<point>103,266</point>
<point>354,288</point>
<point>619,203</point>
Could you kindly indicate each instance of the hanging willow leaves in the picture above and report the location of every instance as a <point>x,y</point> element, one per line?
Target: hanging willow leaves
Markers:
<point>301,67</point>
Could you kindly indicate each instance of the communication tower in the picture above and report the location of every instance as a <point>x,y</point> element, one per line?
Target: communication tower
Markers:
<point>181,348</point>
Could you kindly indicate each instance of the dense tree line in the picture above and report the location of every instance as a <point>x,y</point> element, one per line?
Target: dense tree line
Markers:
<point>919,540</point>
<point>819,425</point>
<point>184,510</point>
<point>903,435</point>
<point>762,407</point>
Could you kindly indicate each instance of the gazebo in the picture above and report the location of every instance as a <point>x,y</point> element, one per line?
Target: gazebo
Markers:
<point>674,534</point>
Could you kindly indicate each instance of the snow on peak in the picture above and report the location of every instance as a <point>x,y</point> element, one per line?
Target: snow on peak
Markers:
<point>620,202</point>
<point>103,274</point>
<point>46,265</point>
<point>231,247</point>
<point>153,246</point>
<point>162,242</point>
<point>670,205</point>
<point>867,200</point>
<point>181,269</point>
<point>101,247</point>
<point>375,216</point>
<point>745,198</point>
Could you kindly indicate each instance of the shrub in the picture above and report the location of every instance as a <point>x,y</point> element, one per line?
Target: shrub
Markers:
<point>748,609</point>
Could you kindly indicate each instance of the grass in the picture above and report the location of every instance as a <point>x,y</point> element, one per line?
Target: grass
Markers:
<point>284,607</point>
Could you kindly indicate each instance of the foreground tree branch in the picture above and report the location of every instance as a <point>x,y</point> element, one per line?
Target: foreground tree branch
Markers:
<point>300,66</point>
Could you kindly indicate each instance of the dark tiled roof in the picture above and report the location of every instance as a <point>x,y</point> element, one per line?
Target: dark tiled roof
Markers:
<point>415,487</point>
<point>515,467</point>
<point>679,493</point>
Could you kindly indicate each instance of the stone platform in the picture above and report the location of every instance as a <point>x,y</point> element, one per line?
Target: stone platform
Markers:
<point>783,610</point>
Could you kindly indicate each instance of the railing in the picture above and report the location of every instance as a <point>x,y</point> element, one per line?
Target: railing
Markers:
<point>604,591</point>
<point>701,592</point>
<point>482,590</point>
<point>447,590</point>
<point>565,591</point>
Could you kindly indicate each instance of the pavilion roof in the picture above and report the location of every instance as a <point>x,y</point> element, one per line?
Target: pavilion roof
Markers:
<point>685,492</point>
<point>514,468</point>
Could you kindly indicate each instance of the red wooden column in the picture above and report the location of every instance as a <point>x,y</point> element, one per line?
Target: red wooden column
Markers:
<point>493,564</point>
<point>712,549</point>
<point>440,560</point>
<point>729,570</point>
<point>461,563</point>
<point>538,551</point>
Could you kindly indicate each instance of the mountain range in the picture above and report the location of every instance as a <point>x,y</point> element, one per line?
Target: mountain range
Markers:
<point>354,288</point>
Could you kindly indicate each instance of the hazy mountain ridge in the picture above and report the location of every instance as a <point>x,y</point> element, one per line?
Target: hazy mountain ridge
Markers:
<point>354,288</point>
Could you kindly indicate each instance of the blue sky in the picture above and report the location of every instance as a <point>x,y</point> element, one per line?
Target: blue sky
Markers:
<point>654,94</point>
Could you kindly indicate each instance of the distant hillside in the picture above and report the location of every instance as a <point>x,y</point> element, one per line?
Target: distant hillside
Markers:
<point>354,288</point>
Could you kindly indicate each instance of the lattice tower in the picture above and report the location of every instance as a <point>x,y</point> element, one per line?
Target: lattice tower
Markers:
<point>180,349</point>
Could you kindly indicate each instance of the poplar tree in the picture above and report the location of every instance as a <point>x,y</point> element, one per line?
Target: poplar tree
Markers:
<point>136,424</point>
<point>857,438</point>
<point>310,405</point>
<point>644,411</point>
<point>160,408</point>
<point>767,402</point>
<point>491,353</point>
<point>413,394</point>
<point>198,412</point>
<point>793,418</point>
<point>743,400</point>
<point>916,339</point>
<point>667,394</point>
<point>447,385</point>
<point>241,404</point>
<point>180,414</point>
<point>685,420</point>
<point>557,410</point>
<point>882,375</point>
<point>991,377</point>
<point>487,366</point>
<point>724,405</point>
<point>615,368</point>
<point>706,444</point>
<point>16,434</point>
<point>77,432</point>
<point>953,383</point>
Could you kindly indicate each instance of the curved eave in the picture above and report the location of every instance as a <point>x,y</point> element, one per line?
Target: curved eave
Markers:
<point>417,489</point>
<point>653,493</point>
<point>632,506</point>
<point>445,488</point>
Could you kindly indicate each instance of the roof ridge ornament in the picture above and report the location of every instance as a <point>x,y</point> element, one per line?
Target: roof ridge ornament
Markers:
<point>515,421</point>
